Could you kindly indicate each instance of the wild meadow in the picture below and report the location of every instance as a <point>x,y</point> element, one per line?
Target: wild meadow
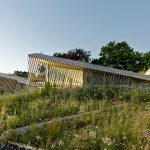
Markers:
<point>123,128</point>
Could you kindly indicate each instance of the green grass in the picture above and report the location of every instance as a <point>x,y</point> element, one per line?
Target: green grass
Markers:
<point>23,109</point>
<point>124,128</point>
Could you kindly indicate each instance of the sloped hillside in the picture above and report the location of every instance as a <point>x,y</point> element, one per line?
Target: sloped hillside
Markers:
<point>83,118</point>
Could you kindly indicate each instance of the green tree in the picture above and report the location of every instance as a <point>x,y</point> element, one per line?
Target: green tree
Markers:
<point>61,55</point>
<point>75,54</point>
<point>23,74</point>
<point>95,61</point>
<point>146,60</point>
<point>121,56</point>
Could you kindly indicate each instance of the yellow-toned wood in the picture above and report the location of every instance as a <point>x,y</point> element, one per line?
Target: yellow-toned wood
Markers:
<point>57,64</point>
<point>65,75</point>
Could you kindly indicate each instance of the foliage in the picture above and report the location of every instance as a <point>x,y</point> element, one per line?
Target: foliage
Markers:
<point>95,61</point>
<point>75,54</point>
<point>121,128</point>
<point>127,128</point>
<point>121,56</point>
<point>146,60</point>
<point>61,55</point>
<point>23,74</point>
<point>116,55</point>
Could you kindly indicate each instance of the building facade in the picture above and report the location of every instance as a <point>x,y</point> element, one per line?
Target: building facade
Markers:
<point>9,83</point>
<point>61,72</point>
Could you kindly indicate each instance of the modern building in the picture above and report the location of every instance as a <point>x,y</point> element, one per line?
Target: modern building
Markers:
<point>11,82</point>
<point>64,73</point>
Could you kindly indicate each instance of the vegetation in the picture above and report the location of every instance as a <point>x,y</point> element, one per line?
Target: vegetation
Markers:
<point>23,74</point>
<point>121,56</point>
<point>125,128</point>
<point>75,54</point>
<point>146,60</point>
<point>117,55</point>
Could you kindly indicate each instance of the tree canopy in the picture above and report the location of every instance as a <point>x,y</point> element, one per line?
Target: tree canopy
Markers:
<point>117,55</point>
<point>121,56</point>
<point>23,74</point>
<point>146,60</point>
<point>61,55</point>
<point>75,54</point>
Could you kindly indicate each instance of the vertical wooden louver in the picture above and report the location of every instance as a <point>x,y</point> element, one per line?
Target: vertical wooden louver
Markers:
<point>67,73</point>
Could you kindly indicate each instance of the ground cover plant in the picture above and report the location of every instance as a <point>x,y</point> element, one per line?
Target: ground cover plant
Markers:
<point>125,128</point>
<point>23,109</point>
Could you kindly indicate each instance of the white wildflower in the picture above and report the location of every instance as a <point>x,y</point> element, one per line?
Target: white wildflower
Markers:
<point>147,108</point>
<point>60,143</point>
<point>96,127</point>
<point>92,133</point>
<point>38,137</point>
<point>53,146</point>
<point>76,135</point>
<point>107,141</point>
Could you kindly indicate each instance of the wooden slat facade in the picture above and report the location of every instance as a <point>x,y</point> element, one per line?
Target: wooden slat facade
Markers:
<point>64,74</point>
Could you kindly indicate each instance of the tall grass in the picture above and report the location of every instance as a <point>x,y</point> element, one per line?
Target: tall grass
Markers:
<point>108,130</point>
<point>127,128</point>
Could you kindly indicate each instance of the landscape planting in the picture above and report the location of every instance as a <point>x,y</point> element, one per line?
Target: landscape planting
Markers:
<point>101,117</point>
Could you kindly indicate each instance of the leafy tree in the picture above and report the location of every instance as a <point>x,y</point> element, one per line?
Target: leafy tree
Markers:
<point>121,56</point>
<point>75,54</point>
<point>79,54</point>
<point>146,60</point>
<point>23,74</point>
<point>95,61</point>
<point>61,55</point>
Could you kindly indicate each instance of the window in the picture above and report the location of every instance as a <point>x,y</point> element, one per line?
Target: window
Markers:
<point>88,79</point>
<point>22,86</point>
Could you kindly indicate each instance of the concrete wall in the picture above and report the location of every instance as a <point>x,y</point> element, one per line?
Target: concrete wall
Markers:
<point>10,85</point>
<point>7,84</point>
<point>20,86</point>
<point>140,83</point>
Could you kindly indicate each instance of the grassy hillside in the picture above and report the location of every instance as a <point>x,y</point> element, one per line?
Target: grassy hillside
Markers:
<point>126,127</point>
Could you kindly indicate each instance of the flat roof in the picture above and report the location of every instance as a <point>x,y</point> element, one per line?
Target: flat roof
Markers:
<point>89,66</point>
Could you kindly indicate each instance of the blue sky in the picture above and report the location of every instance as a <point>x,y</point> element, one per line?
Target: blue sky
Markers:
<point>48,26</point>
